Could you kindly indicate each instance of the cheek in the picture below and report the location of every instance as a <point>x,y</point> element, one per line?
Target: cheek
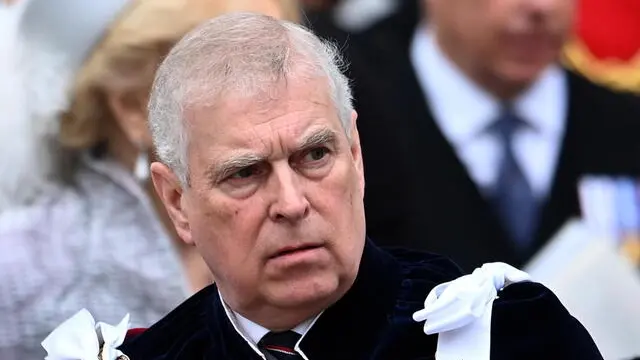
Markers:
<point>347,215</point>
<point>567,14</point>
<point>225,231</point>
<point>338,199</point>
<point>476,31</point>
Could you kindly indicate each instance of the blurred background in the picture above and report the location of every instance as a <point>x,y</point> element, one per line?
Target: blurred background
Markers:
<point>492,130</point>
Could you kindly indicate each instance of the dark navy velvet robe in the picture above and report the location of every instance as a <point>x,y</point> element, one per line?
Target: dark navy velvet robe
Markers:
<point>373,320</point>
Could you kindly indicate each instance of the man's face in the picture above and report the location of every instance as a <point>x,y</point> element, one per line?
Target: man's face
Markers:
<point>512,40</point>
<point>276,199</point>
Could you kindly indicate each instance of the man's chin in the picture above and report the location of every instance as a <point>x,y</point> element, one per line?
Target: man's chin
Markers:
<point>522,74</point>
<point>307,292</point>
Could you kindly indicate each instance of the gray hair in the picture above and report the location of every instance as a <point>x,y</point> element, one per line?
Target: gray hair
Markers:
<point>239,54</point>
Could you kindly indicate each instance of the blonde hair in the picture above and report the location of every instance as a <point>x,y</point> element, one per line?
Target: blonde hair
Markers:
<point>130,52</point>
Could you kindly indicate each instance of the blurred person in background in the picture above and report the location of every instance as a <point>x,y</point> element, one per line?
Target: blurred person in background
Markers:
<point>21,164</point>
<point>488,134</point>
<point>98,238</point>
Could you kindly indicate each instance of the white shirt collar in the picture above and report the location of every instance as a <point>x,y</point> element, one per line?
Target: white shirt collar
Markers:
<point>252,332</point>
<point>447,88</point>
<point>256,332</point>
<point>463,110</point>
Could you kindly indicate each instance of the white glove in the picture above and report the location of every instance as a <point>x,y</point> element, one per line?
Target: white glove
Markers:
<point>460,311</point>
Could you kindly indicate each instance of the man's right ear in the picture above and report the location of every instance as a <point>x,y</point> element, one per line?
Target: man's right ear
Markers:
<point>169,189</point>
<point>356,150</point>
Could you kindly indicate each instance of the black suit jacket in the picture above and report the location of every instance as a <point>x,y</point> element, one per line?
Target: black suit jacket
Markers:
<point>373,320</point>
<point>418,193</point>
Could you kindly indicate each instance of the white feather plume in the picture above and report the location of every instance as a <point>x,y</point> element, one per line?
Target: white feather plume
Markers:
<point>26,115</point>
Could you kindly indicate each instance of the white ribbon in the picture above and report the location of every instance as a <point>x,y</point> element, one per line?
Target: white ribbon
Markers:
<point>80,338</point>
<point>460,311</point>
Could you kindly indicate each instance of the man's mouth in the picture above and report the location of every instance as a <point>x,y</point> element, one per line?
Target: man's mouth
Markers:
<point>289,250</point>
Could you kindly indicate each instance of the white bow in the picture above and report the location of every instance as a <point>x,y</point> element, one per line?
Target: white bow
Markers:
<point>460,311</point>
<point>80,338</point>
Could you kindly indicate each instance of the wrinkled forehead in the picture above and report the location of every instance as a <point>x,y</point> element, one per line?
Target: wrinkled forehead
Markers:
<point>286,109</point>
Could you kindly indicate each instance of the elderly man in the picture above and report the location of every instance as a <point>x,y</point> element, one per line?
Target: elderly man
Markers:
<point>261,170</point>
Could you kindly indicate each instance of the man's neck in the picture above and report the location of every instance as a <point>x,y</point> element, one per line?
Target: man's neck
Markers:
<point>278,318</point>
<point>253,332</point>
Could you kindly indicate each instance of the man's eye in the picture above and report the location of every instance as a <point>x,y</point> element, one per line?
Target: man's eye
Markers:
<point>244,173</point>
<point>316,154</point>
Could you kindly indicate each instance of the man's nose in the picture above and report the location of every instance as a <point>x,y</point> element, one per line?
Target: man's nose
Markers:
<point>290,203</point>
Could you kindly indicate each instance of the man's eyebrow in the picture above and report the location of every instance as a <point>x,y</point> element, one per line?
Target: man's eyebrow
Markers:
<point>220,171</point>
<point>319,137</point>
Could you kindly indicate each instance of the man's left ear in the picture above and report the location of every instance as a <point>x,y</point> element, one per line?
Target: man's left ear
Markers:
<point>356,150</point>
<point>169,189</point>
